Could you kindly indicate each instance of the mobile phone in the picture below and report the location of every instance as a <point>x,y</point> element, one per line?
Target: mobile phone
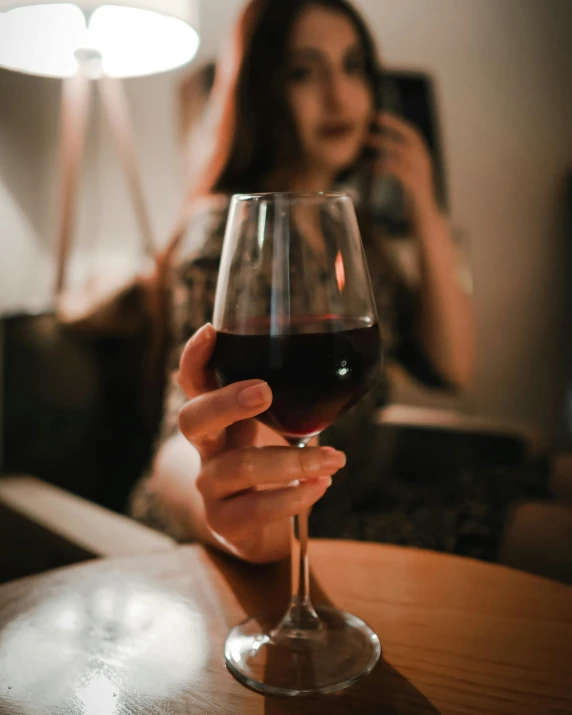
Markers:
<point>389,209</point>
<point>409,95</point>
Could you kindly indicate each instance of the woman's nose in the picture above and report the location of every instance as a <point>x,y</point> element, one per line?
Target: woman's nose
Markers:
<point>335,90</point>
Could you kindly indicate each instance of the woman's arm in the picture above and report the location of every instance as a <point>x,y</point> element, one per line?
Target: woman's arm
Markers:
<point>446,323</point>
<point>173,483</point>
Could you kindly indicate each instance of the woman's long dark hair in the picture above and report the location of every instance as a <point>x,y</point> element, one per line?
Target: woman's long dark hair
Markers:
<point>256,134</point>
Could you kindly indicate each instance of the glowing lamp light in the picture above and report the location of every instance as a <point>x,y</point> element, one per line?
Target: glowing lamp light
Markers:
<point>125,38</point>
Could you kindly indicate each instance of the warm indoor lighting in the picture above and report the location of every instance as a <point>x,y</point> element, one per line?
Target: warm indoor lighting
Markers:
<point>128,38</point>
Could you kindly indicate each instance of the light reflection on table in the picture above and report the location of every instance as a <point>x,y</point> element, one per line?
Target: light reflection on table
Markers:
<point>90,645</point>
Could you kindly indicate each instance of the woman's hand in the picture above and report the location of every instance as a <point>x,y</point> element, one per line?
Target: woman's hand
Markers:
<point>405,155</point>
<point>251,483</point>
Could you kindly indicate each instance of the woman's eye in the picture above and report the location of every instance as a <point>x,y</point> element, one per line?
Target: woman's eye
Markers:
<point>355,66</point>
<point>300,74</point>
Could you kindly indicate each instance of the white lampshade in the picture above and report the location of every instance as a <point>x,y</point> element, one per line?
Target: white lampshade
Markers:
<point>125,38</point>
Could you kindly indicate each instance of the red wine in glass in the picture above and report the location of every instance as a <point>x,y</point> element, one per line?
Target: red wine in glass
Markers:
<point>317,370</point>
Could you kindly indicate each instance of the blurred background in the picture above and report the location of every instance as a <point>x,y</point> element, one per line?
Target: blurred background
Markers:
<point>500,76</point>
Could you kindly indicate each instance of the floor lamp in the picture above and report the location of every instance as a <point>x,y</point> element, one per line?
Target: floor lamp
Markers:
<point>87,42</point>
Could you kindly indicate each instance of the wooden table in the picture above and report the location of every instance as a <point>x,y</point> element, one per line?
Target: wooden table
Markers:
<point>144,635</point>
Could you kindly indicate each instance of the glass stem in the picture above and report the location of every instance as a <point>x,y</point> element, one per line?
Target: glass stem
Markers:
<point>301,621</point>
<point>300,597</point>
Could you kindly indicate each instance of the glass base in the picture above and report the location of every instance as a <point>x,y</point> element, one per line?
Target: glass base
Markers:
<point>335,658</point>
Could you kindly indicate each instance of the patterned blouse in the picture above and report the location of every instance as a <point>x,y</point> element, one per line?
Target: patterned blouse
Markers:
<point>369,500</point>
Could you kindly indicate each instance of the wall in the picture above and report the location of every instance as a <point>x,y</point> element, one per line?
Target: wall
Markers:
<point>26,129</point>
<point>504,75</point>
<point>504,71</point>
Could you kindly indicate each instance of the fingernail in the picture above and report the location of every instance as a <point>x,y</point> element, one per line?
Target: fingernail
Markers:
<point>324,482</point>
<point>202,335</point>
<point>255,396</point>
<point>332,459</point>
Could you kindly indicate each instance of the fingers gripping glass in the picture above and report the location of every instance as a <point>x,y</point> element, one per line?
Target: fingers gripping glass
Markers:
<point>294,307</point>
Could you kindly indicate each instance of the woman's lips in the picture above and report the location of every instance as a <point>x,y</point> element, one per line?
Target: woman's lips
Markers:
<point>336,130</point>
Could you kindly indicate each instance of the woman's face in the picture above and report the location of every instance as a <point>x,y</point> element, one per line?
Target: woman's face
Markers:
<point>327,90</point>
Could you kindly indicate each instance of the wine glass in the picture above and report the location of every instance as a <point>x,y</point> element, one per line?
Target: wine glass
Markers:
<point>294,307</point>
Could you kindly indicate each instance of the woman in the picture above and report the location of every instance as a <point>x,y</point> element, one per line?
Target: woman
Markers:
<point>298,105</point>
